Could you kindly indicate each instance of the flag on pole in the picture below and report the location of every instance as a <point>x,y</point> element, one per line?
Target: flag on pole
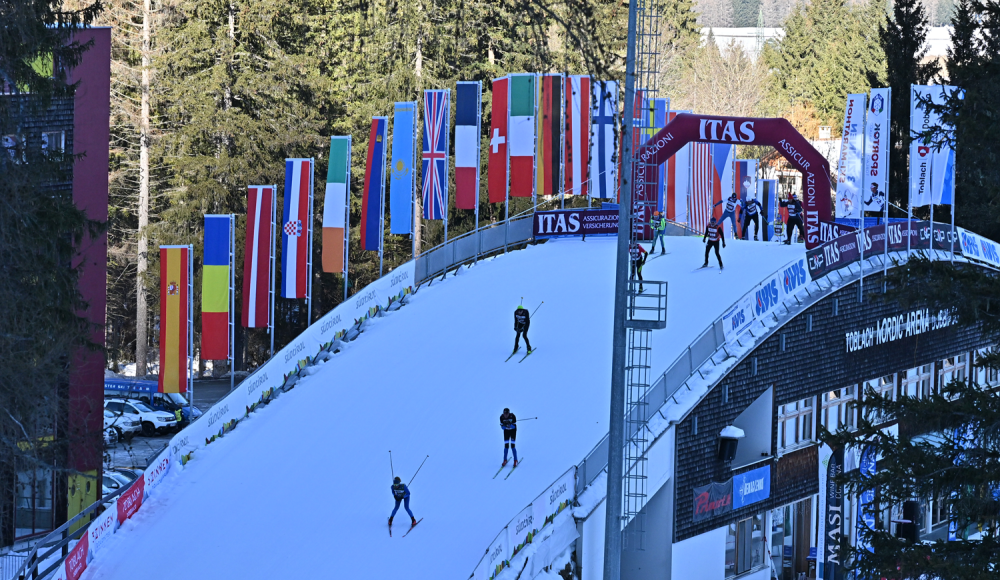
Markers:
<point>549,118</point>
<point>603,173</point>
<point>404,136</point>
<point>257,256</point>
<point>577,134</point>
<point>497,184</point>
<point>175,318</point>
<point>659,120</point>
<point>296,227</point>
<point>932,168</point>
<point>678,180</point>
<point>372,197</point>
<point>702,191</point>
<point>215,287</point>
<point>437,112</point>
<point>876,172</point>
<point>467,115</point>
<point>722,177</point>
<point>522,134</point>
<point>338,178</point>
<point>746,179</point>
<point>850,164</point>
<point>767,195</point>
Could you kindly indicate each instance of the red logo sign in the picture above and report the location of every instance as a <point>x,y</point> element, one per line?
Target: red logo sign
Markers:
<point>923,151</point>
<point>129,502</point>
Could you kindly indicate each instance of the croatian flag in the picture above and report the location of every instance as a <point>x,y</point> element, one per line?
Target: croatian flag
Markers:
<point>257,256</point>
<point>373,196</point>
<point>701,202</point>
<point>434,168</point>
<point>467,113</point>
<point>603,169</point>
<point>296,228</point>
<point>577,134</point>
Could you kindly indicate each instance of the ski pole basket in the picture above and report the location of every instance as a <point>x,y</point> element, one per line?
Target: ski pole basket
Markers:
<point>648,309</point>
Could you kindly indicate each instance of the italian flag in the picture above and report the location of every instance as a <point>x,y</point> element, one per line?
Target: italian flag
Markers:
<point>522,134</point>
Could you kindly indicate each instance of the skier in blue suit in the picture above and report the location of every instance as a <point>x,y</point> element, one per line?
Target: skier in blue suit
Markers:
<point>401,493</point>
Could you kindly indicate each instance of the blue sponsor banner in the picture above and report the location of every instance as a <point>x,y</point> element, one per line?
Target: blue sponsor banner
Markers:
<point>751,487</point>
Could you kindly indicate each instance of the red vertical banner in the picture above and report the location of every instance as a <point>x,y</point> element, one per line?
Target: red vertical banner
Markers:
<point>497,178</point>
<point>175,318</point>
<point>257,256</point>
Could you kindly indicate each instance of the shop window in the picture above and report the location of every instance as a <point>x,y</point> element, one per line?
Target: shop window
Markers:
<point>839,409</point>
<point>745,546</point>
<point>793,540</point>
<point>917,382</point>
<point>795,424</point>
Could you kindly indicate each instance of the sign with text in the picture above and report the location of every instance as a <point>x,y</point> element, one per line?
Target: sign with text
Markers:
<point>575,222</point>
<point>751,487</point>
<point>841,252</point>
<point>832,230</point>
<point>898,327</point>
<point>712,500</point>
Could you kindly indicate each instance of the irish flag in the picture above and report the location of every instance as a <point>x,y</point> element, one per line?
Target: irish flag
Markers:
<point>522,134</point>
<point>338,175</point>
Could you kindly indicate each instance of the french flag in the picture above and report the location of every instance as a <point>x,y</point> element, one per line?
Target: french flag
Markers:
<point>296,227</point>
<point>467,111</point>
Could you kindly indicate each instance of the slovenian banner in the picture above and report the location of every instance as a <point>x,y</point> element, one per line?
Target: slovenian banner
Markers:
<point>849,164</point>
<point>434,167</point>
<point>678,180</point>
<point>176,309</point>
<point>577,134</point>
<point>932,167</point>
<point>257,256</point>
<point>521,125</point>
<point>338,178</point>
<point>603,166</point>
<point>373,196</point>
<point>401,182</point>
<point>876,171</point>
<point>468,95</point>
<point>296,228</point>
<point>216,287</point>
<point>549,118</point>
<point>497,184</point>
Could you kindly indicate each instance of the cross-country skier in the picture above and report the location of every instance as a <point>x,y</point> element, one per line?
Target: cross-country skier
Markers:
<point>794,217</point>
<point>713,235</point>
<point>729,211</point>
<point>401,493</point>
<point>637,257</point>
<point>658,223</point>
<point>522,320</point>
<point>751,213</point>
<point>508,422</point>
<point>779,228</point>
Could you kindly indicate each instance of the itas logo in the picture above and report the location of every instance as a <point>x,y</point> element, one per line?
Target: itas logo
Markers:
<point>767,296</point>
<point>708,130</point>
<point>895,234</point>
<point>832,253</point>
<point>795,276</point>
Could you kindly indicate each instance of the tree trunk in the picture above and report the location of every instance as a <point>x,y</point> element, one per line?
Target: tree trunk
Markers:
<point>417,213</point>
<point>142,314</point>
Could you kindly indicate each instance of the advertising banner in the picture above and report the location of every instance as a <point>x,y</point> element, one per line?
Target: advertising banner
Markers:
<point>496,558</point>
<point>833,514</point>
<point>712,500</point>
<point>738,319</point>
<point>764,298</point>
<point>555,499</point>
<point>76,561</point>
<point>832,230</point>
<point>979,248</point>
<point>867,467</point>
<point>751,487</point>
<point>842,251</point>
<point>849,164</point>
<point>155,473</point>
<point>101,529</point>
<point>932,167</point>
<point>520,530</point>
<point>130,500</point>
<point>876,173</point>
<point>582,222</point>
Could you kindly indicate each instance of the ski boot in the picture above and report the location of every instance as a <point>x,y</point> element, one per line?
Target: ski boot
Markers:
<point>390,521</point>
<point>413,521</point>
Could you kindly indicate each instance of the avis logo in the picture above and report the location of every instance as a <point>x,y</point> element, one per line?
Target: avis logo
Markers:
<point>738,319</point>
<point>795,275</point>
<point>767,296</point>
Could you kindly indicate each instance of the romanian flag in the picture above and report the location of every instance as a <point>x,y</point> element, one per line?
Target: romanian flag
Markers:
<point>215,287</point>
<point>175,317</point>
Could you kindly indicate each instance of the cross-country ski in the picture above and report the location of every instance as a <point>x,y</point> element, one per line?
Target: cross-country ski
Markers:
<point>412,526</point>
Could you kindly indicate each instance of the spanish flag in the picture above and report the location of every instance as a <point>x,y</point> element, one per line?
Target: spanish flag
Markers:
<point>216,271</point>
<point>175,317</point>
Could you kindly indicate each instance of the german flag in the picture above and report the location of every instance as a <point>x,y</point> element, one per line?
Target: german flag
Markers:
<point>175,314</point>
<point>549,118</point>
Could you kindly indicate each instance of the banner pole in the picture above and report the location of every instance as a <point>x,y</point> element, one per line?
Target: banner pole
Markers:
<point>190,345</point>
<point>273,251</point>
<point>309,265</point>
<point>381,203</point>
<point>506,181</point>
<point>347,215</point>
<point>885,203</point>
<point>479,129</point>
<point>232,301</point>
<point>447,197</point>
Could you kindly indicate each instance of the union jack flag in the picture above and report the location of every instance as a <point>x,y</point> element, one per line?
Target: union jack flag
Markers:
<point>437,113</point>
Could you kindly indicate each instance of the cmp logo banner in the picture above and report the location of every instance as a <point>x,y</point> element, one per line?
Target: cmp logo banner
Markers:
<point>841,252</point>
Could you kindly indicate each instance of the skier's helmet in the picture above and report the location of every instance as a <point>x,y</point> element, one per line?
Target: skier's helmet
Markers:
<point>396,479</point>
<point>656,214</point>
<point>506,411</point>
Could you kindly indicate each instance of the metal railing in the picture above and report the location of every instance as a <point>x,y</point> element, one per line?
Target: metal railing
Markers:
<point>471,246</point>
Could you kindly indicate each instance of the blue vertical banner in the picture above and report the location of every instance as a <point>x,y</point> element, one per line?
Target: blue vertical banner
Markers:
<point>401,177</point>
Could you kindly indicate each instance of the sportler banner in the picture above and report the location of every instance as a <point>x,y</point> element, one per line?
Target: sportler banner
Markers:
<point>849,164</point>
<point>876,173</point>
<point>846,249</point>
<point>774,132</point>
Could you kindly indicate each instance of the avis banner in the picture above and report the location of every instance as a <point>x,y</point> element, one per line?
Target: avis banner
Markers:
<point>575,222</point>
<point>979,248</point>
<point>764,298</point>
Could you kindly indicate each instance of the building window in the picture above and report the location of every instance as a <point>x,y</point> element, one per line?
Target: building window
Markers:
<point>952,368</point>
<point>13,145</point>
<point>985,377</point>
<point>795,424</point>
<point>917,382</point>
<point>793,534</point>
<point>745,546</point>
<point>884,387</point>
<point>33,507</point>
<point>53,141</point>
<point>839,409</point>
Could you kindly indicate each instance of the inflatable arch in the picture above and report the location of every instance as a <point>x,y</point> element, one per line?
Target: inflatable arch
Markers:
<point>775,132</point>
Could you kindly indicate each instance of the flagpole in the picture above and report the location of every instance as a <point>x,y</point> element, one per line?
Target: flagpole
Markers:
<point>506,181</point>
<point>954,180</point>
<point>273,251</point>
<point>347,215</point>
<point>190,325</point>
<point>232,301</point>
<point>534,165</point>
<point>309,232</point>
<point>381,202</point>
<point>479,129</point>
<point>885,202</point>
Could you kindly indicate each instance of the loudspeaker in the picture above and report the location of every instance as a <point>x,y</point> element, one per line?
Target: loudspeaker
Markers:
<point>727,448</point>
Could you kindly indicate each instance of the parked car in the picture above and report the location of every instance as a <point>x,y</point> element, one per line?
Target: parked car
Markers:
<point>131,474</point>
<point>125,427</point>
<point>110,434</point>
<point>147,392</point>
<point>151,420</point>
<point>114,481</point>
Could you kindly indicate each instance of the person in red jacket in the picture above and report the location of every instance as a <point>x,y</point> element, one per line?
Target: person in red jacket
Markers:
<point>713,235</point>
<point>637,257</point>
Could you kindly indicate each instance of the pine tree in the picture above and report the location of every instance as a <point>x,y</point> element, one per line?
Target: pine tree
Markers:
<point>902,38</point>
<point>745,13</point>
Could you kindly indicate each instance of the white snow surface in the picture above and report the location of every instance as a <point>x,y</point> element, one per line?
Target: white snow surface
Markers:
<point>301,488</point>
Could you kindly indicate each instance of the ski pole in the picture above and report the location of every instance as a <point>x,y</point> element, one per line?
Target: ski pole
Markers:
<point>418,471</point>
<point>393,471</point>
<point>529,419</point>
<point>536,309</point>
